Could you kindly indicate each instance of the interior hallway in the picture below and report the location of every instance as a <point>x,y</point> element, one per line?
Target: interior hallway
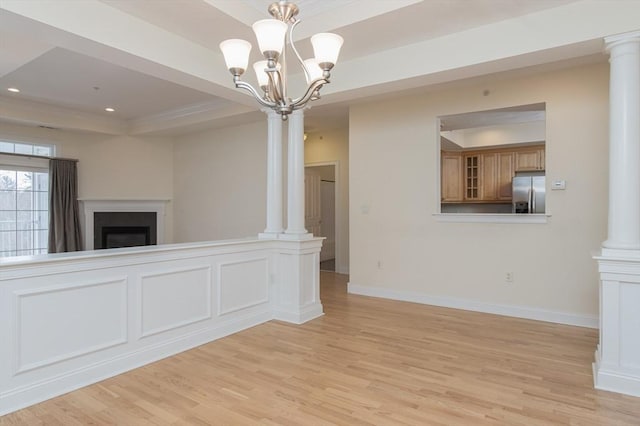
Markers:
<point>366,361</point>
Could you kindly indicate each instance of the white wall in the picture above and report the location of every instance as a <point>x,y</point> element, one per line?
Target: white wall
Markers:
<point>220,183</point>
<point>328,146</point>
<point>111,166</point>
<point>420,258</point>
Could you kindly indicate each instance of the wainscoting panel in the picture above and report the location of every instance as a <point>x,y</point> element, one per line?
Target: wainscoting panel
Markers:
<point>617,359</point>
<point>71,319</point>
<point>61,322</point>
<point>242,284</point>
<point>630,325</point>
<point>310,268</point>
<point>174,298</point>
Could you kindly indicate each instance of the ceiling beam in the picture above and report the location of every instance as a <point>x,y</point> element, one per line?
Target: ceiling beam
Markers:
<point>97,30</point>
<point>570,31</point>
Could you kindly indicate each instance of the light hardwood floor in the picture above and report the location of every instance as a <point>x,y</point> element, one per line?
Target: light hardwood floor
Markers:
<point>367,361</point>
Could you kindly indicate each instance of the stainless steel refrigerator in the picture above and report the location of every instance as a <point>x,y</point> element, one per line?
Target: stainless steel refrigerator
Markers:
<point>528,194</point>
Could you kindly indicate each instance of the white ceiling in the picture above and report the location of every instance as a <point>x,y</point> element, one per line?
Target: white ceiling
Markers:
<point>76,81</point>
<point>495,117</point>
<point>53,60</point>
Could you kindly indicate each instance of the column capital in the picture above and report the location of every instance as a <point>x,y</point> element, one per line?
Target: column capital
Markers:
<point>618,39</point>
<point>270,112</point>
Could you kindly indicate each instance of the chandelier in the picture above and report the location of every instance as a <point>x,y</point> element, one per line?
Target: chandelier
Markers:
<point>273,35</point>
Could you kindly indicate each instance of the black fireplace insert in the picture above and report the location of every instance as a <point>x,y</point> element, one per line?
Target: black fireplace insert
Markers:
<point>124,229</point>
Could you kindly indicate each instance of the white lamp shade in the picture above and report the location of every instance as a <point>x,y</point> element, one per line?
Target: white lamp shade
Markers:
<point>313,69</point>
<point>236,53</point>
<point>260,67</point>
<point>262,76</point>
<point>270,34</point>
<point>326,47</point>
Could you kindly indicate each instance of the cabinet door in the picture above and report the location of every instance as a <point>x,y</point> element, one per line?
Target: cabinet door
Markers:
<point>472,167</point>
<point>489,177</point>
<point>451,176</point>
<point>530,159</point>
<point>506,172</point>
<point>527,160</point>
<point>542,158</point>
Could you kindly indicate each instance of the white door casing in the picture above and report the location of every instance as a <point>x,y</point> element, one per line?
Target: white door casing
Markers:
<point>340,226</point>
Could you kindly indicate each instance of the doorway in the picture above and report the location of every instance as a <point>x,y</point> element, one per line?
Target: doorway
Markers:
<point>320,209</point>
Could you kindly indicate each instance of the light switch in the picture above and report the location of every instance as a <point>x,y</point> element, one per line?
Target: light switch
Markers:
<point>558,184</point>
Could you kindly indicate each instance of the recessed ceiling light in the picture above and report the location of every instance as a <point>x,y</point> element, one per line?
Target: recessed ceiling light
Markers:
<point>109,109</point>
<point>13,89</point>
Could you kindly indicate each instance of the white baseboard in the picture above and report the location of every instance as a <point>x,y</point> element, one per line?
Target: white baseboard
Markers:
<point>71,380</point>
<point>342,270</point>
<point>472,305</point>
<point>307,313</point>
<point>615,381</point>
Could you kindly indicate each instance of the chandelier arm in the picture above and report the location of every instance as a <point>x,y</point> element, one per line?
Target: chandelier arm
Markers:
<point>282,85</point>
<point>254,92</point>
<point>282,74</point>
<point>268,96</point>
<point>275,86</point>
<point>293,47</point>
<point>315,85</point>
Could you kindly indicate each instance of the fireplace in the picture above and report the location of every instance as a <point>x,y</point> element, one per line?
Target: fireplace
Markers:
<point>112,223</point>
<point>125,236</point>
<point>124,229</point>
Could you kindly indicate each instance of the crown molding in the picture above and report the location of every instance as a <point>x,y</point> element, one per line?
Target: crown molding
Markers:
<point>188,116</point>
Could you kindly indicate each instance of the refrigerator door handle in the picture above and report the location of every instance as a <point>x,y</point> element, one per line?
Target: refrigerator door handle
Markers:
<point>529,200</point>
<point>533,201</point>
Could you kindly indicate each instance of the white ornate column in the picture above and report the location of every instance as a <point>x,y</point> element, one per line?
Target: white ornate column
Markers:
<point>617,363</point>
<point>296,288</point>
<point>624,144</point>
<point>295,179</point>
<point>274,177</point>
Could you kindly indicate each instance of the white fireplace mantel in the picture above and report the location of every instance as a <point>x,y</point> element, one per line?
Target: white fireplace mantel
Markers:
<point>92,205</point>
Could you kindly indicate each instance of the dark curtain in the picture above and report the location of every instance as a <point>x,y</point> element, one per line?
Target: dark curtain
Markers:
<point>64,216</point>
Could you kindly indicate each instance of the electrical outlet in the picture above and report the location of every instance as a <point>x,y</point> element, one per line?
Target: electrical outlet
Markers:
<point>508,277</point>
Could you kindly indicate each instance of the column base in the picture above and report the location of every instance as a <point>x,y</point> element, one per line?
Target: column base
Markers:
<point>617,359</point>
<point>300,316</point>
<point>613,379</point>
<point>620,253</point>
<point>296,237</point>
<point>269,235</point>
<point>296,297</point>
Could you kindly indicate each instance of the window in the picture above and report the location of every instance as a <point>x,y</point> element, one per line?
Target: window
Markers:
<point>24,199</point>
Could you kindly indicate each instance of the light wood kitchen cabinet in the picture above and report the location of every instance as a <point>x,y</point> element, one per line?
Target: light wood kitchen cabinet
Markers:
<point>486,175</point>
<point>489,177</point>
<point>451,176</point>
<point>531,159</point>
<point>506,172</point>
<point>497,170</point>
<point>472,171</point>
